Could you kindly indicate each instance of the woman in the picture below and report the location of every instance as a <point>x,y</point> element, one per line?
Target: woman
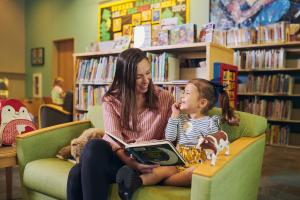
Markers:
<point>134,110</point>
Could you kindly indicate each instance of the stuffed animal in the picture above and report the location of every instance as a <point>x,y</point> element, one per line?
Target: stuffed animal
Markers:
<point>213,144</point>
<point>78,144</point>
<point>14,120</point>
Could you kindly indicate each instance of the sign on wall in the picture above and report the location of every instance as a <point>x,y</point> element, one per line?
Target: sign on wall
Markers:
<point>119,18</point>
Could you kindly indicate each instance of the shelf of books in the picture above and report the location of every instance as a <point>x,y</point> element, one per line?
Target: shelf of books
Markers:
<point>172,66</point>
<point>269,80</point>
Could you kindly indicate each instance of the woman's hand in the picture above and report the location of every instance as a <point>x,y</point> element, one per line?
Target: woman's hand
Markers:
<point>175,110</point>
<point>144,169</point>
<point>131,162</point>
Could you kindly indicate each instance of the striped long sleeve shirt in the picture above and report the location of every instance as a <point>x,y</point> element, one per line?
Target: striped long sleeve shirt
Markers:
<point>187,131</point>
<point>151,124</point>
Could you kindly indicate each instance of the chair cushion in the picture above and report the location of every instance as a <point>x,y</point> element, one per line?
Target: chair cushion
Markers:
<point>250,125</point>
<point>49,176</point>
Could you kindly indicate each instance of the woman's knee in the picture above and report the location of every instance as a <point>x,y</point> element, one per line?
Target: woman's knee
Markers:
<point>96,149</point>
<point>75,174</point>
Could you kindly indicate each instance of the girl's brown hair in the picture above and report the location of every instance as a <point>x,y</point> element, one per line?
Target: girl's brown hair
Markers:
<point>123,87</point>
<point>210,91</point>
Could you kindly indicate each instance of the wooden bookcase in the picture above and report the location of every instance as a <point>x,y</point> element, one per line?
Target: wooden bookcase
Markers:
<point>292,71</point>
<point>210,52</point>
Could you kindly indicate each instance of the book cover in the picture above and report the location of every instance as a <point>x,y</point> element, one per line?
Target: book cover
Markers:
<point>226,74</point>
<point>183,34</point>
<point>142,36</point>
<point>161,152</point>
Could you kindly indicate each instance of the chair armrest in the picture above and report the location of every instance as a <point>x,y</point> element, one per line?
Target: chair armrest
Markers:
<point>46,142</point>
<point>51,114</point>
<point>56,107</point>
<point>235,176</point>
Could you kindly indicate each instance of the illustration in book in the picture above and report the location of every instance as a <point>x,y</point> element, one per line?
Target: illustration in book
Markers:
<point>161,152</point>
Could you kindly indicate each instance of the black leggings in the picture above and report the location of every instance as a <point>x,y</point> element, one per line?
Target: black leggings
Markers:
<point>91,178</point>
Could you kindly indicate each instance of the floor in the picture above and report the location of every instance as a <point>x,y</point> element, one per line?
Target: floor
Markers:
<point>280,176</point>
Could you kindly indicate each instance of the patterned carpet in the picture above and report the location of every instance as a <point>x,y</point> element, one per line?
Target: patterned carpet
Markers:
<point>280,176</point>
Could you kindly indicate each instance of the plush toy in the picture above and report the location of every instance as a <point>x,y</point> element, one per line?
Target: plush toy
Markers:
<point>14,120</point>
<point>78,144</point>
<point>213,144</point>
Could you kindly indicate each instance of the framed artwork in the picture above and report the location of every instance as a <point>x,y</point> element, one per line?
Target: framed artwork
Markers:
<point>37,85</point>
<point>37,56</point>
<point>252,13</point>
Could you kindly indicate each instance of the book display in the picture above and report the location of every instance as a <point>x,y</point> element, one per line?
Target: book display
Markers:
<point>270,85</point>
<point>94,71</point>
<point>227,75</point>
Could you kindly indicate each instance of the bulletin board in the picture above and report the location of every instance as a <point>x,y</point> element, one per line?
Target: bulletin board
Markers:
<point>118,18</point>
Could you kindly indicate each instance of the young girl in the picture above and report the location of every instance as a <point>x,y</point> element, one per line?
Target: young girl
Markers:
<point>188,121</point>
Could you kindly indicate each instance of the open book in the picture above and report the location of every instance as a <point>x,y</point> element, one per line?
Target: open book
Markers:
<point>161,152</point>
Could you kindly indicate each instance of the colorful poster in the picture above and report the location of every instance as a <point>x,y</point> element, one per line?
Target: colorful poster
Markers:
<point>252,13</point>
<point>123,15</point>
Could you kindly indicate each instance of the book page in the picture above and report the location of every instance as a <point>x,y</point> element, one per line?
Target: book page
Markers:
<point>162,153</point>
<point>117,139</point>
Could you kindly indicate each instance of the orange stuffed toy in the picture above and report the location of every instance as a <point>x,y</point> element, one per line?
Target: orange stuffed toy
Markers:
<point>14,120</point>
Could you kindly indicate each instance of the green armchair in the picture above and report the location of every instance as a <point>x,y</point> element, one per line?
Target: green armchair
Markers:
<point>234,177</point>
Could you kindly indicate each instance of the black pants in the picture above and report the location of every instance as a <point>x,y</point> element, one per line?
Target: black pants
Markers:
<point>91,178</point>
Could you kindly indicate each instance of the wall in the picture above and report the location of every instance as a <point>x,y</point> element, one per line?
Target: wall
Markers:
<point>12,45</point>
<point>49,20</point>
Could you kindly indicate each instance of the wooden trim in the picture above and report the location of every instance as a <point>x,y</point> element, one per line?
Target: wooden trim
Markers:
<point>268,70</point>
<point>175,47</point>
<point>54,61</point>
<point>236,148</point>
<point>43,130</point>
<point>55,107</point>
<point>266,45</point>
<point>9,161</point>
<point>269,94</point>
<point>6,152</point>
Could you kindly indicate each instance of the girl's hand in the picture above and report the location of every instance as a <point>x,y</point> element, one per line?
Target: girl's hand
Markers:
<point>175,110</point>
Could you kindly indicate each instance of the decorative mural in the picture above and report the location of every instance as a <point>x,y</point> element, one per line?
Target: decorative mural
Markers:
<point>252,13</point>
<point>119,18</point>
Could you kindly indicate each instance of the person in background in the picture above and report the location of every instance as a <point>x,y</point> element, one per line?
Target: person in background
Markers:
<point>189,121</point>
<point>134,110</point>
<point>57,93</point>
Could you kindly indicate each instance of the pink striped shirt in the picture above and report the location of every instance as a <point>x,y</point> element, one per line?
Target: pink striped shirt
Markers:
<point>150,124</point>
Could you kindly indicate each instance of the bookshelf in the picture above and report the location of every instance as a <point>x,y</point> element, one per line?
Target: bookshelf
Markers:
<point>272,87</point>
<point>88,89</point>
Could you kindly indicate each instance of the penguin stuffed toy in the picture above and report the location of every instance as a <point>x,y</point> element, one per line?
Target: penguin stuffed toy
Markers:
<point>14,120</point>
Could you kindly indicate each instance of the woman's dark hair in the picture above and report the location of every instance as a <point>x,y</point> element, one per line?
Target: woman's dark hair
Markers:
<point>123,87</point>
<point>211,91</point>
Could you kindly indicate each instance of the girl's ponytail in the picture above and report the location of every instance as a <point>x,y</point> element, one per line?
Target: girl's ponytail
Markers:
<point>228,114</point>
